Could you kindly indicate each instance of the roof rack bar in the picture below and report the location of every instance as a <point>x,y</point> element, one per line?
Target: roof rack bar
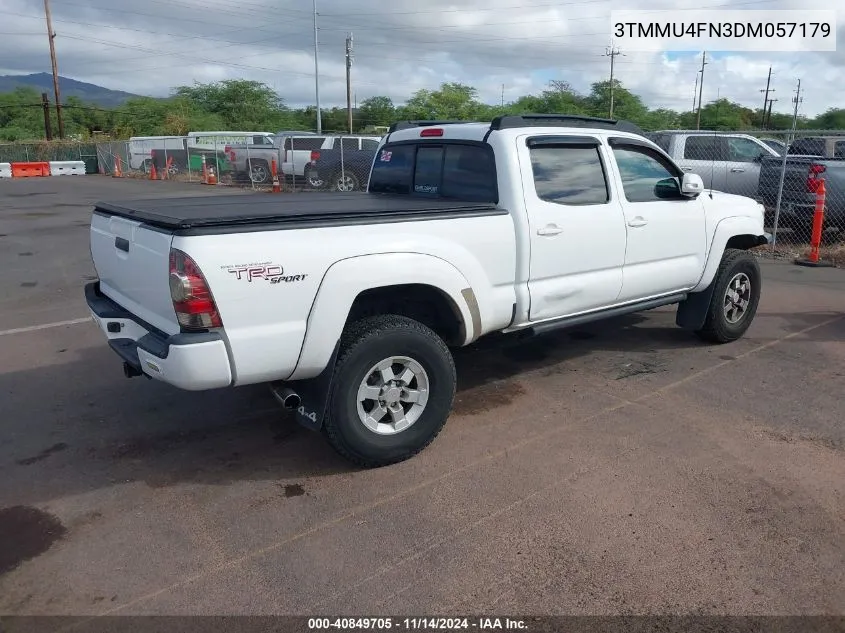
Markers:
<point>404,125</point>
<point>510,121</point>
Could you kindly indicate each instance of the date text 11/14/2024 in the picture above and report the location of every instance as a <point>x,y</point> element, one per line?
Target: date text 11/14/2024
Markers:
<point>417,624</point>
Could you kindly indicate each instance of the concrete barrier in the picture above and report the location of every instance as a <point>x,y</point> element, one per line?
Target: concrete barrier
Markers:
<point>67,168</point>
<point>5,170</point>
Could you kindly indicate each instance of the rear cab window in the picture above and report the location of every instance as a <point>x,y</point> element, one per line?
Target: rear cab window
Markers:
<point>452,170</point>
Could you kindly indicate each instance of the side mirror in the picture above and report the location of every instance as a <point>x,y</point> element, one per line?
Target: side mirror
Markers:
<point>691,185</point>
<point>667,189</point>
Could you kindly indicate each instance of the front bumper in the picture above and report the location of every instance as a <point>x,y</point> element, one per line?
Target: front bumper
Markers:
<point>190,361</point>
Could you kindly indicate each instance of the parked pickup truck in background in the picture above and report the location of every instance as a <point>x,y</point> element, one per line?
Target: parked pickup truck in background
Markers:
<point>725,162</point>
<point>808,161</point>
<point>347,306</point>
<point>291,151</point>
<point>344,167</point>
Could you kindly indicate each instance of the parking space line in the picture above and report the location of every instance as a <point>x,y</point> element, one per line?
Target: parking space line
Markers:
<point>422,485</point>
<point>45,326</point>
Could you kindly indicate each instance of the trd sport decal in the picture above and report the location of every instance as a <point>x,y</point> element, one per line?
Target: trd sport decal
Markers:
<point>263,271</point>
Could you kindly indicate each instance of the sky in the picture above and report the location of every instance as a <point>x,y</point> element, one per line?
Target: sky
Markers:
<point>503,48</point>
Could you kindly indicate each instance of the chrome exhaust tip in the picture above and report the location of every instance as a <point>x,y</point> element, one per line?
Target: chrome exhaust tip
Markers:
<point>287,397</point>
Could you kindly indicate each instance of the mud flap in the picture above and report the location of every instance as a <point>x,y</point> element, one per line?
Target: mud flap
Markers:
<point>314,395</point>
<point>692,311</point>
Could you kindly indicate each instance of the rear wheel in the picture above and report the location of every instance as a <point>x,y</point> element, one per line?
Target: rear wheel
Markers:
<point>394,383</point>
<point>735,298</point>
<point>345,181</point>
<point>259,172</point>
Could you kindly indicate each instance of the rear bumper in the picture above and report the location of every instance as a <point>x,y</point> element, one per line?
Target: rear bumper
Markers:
<point>194,362</point>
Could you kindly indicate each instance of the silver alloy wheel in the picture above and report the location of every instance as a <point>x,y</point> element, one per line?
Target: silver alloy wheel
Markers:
<point>393,395</point>
<point>346,183</point>
<point>737,298</point>
<point>316,183</point>
<point>258,172</point>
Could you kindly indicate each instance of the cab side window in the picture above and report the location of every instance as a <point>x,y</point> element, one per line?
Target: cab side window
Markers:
<point>641,170</point>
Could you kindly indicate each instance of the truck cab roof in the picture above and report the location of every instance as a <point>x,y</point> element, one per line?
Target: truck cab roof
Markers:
<point>479,131</point>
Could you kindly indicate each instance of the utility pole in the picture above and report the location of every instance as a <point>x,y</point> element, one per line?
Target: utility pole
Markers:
<point>503,95</point>
<point>349,80</point>
<point>768,119</point>
<point>766,96</point>
<point>316,72</point>
<point>700,90</point>
<point>695,92</point>
<point>796,100</point>
<point>48,129</point>
<point>612,53</point>
<point>52,35</point>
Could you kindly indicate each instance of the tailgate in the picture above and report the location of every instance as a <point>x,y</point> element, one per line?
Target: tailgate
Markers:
<point>795,177</point>
<point>133,265</point>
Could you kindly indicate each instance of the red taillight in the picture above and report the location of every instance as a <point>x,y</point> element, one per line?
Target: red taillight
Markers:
<point>192,299</point>
<point>315,156</point>
<point>432,131</point>
<point>813,180</point>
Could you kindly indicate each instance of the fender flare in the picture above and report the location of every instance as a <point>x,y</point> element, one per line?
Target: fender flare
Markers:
<point>692,311</point>
<point>724,231</point>
<point>347,278</point>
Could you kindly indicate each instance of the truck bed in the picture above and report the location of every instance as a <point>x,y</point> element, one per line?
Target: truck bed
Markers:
<point>296,210</point>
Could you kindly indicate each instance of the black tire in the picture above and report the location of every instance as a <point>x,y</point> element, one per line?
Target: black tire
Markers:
<point>314,183</point>
<point>364,344</point>
<point>717,327</point>
<point>259,172</point>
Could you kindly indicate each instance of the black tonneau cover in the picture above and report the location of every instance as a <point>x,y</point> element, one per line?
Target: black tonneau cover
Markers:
<point>312,208</point>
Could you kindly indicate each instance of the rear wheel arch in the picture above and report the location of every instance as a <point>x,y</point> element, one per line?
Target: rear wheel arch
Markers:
<point>434,292</point>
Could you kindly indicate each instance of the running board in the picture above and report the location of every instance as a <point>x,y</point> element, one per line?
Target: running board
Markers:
<point>609,313</point>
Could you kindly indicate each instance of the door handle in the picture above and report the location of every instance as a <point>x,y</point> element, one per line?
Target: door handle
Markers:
<point>550,229</point>
<point>737,170</point>
<point>637,222</point>
<point>687,168</point>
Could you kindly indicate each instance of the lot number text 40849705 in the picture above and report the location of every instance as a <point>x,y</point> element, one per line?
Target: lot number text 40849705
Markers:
<point>417,624</point>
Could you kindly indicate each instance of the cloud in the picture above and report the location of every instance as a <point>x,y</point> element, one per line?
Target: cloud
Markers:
<point>502,47</point>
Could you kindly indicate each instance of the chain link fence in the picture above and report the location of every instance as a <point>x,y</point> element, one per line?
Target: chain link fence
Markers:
<point>51,151</point>
<point>299,161</point>
<point>781,170</point>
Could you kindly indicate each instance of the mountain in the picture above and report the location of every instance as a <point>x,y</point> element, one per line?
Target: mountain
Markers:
<point>43,82</point>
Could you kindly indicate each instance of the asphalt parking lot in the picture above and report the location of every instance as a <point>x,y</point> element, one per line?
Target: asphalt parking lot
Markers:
<point>620,468</point>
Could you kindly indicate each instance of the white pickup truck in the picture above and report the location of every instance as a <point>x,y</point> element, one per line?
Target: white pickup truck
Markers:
<point>347,304</point>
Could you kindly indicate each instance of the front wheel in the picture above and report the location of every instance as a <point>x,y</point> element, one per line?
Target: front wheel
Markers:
<point>736,295</point>
<point>394,383</point>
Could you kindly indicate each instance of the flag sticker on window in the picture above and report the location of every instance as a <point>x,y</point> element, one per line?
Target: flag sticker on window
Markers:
<point>385,156</point>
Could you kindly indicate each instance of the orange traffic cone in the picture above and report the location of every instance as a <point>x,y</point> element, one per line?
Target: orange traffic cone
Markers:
<point>153,174</point>
<point>117,173</point>
<point>212,177</point>
<point>277,188</point>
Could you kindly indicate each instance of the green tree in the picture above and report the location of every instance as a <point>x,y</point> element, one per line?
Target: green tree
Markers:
<point>626,105</point>
<point>452,101</point>
<point>240,104</point>
<point>832,119</point>
<point>376,111</point>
